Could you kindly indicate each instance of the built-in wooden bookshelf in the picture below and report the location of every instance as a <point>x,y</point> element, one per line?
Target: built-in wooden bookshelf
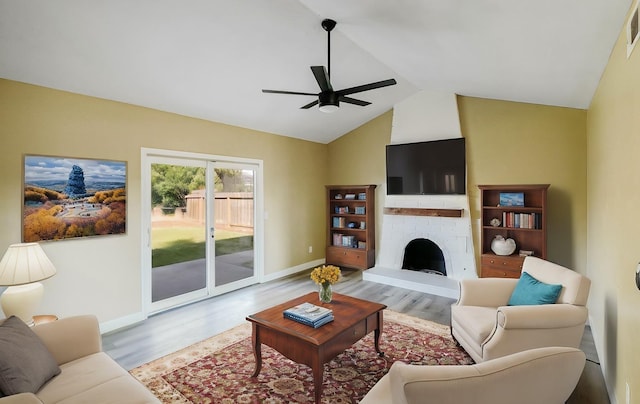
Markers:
<point>351,226</point>
<point>525,224</point>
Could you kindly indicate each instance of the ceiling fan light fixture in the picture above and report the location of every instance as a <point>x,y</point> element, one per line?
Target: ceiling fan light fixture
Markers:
<point>328,108</point>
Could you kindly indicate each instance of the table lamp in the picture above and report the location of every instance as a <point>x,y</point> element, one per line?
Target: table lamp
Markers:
<point>22,268</point>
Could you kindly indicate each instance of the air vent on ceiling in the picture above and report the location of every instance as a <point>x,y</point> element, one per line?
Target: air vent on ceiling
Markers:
<point>632,30</point>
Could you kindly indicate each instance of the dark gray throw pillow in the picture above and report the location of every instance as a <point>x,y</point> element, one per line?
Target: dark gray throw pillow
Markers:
<point>25,362</point>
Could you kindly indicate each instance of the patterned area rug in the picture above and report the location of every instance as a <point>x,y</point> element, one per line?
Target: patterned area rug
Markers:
<point>218,370</point>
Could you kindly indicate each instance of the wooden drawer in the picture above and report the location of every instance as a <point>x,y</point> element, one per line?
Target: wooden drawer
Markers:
<point>495,266</point>
<point>348,257</point>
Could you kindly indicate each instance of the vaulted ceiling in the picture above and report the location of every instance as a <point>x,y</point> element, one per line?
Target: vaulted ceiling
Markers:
<point>210,59</point>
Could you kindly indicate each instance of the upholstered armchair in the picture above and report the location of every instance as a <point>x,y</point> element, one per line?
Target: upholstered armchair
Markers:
<point>543,375</point>
<point>487,327</point>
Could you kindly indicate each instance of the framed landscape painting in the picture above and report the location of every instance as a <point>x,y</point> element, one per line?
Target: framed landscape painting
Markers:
<point>67,198</point>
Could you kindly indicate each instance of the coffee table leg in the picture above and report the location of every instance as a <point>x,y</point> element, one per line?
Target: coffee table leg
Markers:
<point>377,333</point>
<point>317,381</point>
<point>257,349</point>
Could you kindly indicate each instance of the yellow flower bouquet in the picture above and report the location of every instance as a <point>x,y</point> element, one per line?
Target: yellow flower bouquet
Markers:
<point>325,276</point>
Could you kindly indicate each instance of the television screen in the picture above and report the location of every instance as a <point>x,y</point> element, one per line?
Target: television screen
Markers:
<point>427,168</point>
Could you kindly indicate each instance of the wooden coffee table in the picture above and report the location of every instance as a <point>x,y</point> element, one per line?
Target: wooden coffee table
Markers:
<point>354,318</point>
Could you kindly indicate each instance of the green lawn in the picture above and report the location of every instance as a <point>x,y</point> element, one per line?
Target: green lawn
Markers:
<point>179,244</point>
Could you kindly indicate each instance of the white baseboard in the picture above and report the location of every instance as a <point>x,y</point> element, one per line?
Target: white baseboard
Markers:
<point>293,270</point>
<point>121,322</point>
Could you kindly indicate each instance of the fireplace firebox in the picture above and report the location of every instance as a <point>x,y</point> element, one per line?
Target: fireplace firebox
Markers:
<point>424,255</point>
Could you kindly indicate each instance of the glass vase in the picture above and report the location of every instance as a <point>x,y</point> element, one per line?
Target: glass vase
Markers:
<point>325,293</point>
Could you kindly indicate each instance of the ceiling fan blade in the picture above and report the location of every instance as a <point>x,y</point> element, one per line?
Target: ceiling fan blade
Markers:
<point>309,105</point>
<point>366,87</point>
<point>354,101</point>
<point>288,92</point>
<point>322,78</point>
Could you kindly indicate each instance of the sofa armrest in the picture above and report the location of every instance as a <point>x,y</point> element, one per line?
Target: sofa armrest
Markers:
<point>486,292</point>
<point>71,338</point>
<point>543,375</point>
<point>541,316</point>
<point>22,398</point>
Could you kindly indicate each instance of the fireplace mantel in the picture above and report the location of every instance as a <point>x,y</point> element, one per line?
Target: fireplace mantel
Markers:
<point>424,212</point>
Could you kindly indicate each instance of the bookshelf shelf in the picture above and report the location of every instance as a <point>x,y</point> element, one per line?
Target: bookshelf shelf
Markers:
<point>526,225</point>
<point>351,226</point>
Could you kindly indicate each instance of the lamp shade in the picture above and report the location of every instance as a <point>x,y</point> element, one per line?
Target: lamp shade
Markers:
<point>25,263</point>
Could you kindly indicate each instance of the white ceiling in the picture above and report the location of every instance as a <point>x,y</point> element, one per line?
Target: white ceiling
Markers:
<point>210,59</point>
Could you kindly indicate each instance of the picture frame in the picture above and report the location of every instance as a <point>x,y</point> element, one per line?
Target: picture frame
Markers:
<point>511,198</point>
<point>67,198</point>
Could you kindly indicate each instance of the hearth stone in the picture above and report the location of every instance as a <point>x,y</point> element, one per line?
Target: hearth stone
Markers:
<point>414,280</point>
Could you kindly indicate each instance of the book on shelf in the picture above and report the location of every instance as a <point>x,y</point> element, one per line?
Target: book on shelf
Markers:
<point>348,241</point>
<point>359,210</point>
<point>337,238</point>
<point>309,314</point>
<point>339,222</point>
<point>522,220</point>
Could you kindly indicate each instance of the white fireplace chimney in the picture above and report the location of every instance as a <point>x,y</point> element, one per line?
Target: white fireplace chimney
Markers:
<point>423,117</point>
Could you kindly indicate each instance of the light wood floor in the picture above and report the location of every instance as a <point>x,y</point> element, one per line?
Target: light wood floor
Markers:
<point>178,328</point>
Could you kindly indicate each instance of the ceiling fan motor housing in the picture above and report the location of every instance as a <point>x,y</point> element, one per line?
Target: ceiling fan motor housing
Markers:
<point>328,98</point>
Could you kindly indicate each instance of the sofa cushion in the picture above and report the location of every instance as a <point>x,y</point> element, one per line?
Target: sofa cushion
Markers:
<point>95,379</point>
<point>25,362</point>
<point>478,321</point>
<point>530,291</point>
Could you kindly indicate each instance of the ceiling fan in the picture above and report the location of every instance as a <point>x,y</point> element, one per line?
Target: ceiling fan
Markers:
<point>328,99</point>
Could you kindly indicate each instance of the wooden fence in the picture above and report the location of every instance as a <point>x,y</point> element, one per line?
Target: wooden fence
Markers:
<point>233,210</point>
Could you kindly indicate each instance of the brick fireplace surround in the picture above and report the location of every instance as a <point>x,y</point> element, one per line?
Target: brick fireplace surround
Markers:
<point>445,222</point>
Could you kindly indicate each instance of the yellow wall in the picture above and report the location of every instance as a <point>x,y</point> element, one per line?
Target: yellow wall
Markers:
<point>359,158</point>
<point>92,271</point>
<point>517,143</point>
<point>613,138</point>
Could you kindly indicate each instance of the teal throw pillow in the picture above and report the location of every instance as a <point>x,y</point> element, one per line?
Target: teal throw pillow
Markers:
<point>530,291</point>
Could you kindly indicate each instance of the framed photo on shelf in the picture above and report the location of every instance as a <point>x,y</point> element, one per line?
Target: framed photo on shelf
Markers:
<point>511,198</point>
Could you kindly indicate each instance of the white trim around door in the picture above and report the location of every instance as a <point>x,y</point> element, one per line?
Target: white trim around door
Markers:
<point>152,156</point>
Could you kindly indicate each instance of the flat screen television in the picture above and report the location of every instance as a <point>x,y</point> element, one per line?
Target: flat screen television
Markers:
<point>427,168</point>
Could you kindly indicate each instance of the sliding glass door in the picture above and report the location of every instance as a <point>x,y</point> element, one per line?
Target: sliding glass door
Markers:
<point>200,228</point>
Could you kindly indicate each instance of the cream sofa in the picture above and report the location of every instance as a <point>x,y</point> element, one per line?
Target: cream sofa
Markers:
<point>487,327</point>
<point>87,375</point>
<point>543,375</point>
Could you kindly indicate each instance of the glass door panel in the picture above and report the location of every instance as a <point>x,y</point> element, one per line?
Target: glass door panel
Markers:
<point>178,234</point>
<point>234,223</point>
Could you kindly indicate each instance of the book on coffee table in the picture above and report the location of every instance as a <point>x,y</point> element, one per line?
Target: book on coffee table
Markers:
<point>309,314</point>
<point>314,324</point>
